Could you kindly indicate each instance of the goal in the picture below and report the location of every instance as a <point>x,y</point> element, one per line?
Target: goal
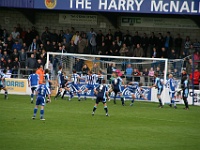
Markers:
<point>142,70</point>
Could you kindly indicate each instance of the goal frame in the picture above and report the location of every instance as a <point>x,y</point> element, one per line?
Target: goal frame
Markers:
<point>119,57</point>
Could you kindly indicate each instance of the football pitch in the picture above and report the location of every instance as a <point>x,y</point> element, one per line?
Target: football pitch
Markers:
<point>70,125</point>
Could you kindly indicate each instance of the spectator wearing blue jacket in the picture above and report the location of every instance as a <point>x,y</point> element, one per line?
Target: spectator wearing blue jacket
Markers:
<point>129,72</point>
<point>67,36</point>
<point>17,46</point>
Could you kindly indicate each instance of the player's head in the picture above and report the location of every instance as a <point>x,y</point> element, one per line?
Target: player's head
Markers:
<point>103,81</point>
<point>114,74</point>
<point>89,72</point>
<point>99,72</point>
<point>156,74</point>
<point>46,71</point>
<point>74,71</point>
<point>140,84</point>
<point>4,71</point>
<point>170,76</point>
<point>184,78</point>
<point>60,67</point>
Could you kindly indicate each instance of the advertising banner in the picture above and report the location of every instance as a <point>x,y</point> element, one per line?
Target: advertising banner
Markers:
<point>78,19</point>
<point>158,22</point>
<point>130,6</point>
<point>125,91</point>
<point>16,85</point>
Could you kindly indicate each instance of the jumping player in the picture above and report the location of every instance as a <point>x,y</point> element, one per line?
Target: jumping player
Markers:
<point>185,88</point>
<point>159,85</point>
<point>138,92</point>
<point>41,92</point>
<point>47,80</point>
<point>59,82</point>
<point>91,81</point>
<point>101,92</point>
<point>33,82</point>
<point>171,85</point>
<point>116,87</point>
<point>2,84</point>
<point>74,85</point>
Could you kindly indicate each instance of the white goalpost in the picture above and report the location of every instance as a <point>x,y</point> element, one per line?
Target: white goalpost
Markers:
<point>68,62</point>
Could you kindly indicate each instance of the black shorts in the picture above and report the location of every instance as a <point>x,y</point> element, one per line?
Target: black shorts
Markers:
<point>100,99</point>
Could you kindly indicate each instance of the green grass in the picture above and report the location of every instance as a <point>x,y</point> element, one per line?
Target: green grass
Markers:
<point>70,125</point>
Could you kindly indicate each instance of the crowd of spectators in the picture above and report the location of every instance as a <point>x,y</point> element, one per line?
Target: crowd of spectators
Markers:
<point>26,49</point>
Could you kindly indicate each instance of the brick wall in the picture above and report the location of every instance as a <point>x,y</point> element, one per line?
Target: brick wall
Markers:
<point>9,19</point>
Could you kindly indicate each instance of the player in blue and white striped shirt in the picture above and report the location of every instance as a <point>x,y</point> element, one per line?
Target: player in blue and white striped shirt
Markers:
<point>137,92</point>
<point>41,92</point>
<point>74,85</point>
<point>91,81</point>
<point>33,82</point>
<point>159,85</point>
<point>2,83</point>
<point>172,87</point>
<point>59,78</point>
<point>47,80</point>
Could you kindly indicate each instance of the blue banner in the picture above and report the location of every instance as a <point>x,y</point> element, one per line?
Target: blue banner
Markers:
<point>191,7</point>
<point>125,91</point>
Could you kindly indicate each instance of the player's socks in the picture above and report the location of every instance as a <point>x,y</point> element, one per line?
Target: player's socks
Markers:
<point>6,95</point>
<point>85,95</point>
<point>106,109</point>
<point>71,94</point>
<point>122,99</point>
<point>32,98</point>
<point>115,99</point>
<point>160,101</point>
<point>94,109</point>
<point>64,94</point>
<point>132,102</point>
<point>186,104</point>
<point>57,94</point>
<point>79,97</point>
<point>41,113</point>
<point>35,112</point>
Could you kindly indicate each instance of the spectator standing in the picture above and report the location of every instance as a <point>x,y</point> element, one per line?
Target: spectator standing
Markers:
<point>75,39</point>
<point>67,36</point>
<point>145,44</point>
<point>191,50</point>
<point>81,45</point>
<point>124,50</point>
<point>14,55</point>
<point>103,50</point>
<point>163,53</point>
<point>136,75</point>
<point>99,38</point>
<point>60,36</point>
<point>34,32</point>
<point>54,36</point>
<point>14,33</point>
<point>93,43</point>
<point>127,39</point>
<point>138,51</point>
<point>17,46</point>
<point>110,34</point>
<point>160,43</point>
<point>33,46</point>
<point>136,39</point>
<point>16,66</point>
<point>46,35</point>
<point>72,47</point>
<point>28,38</point>
<point>152,42</point>
<point>168,43</point>
<point>195,78</point>
<point>129,73</point>
<point>85,70</point>
<point>187,45</point>
<point>178,44</point>
<point>118,33</point>
<point>31,64</point>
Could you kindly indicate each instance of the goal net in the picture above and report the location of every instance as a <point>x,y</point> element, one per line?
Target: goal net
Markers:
<point>131,69</point>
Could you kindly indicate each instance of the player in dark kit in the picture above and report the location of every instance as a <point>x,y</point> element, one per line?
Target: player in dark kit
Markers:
<point>185,88</point>
<point>101,92</point>
<point>62,82</point>
<point>116,87</point>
